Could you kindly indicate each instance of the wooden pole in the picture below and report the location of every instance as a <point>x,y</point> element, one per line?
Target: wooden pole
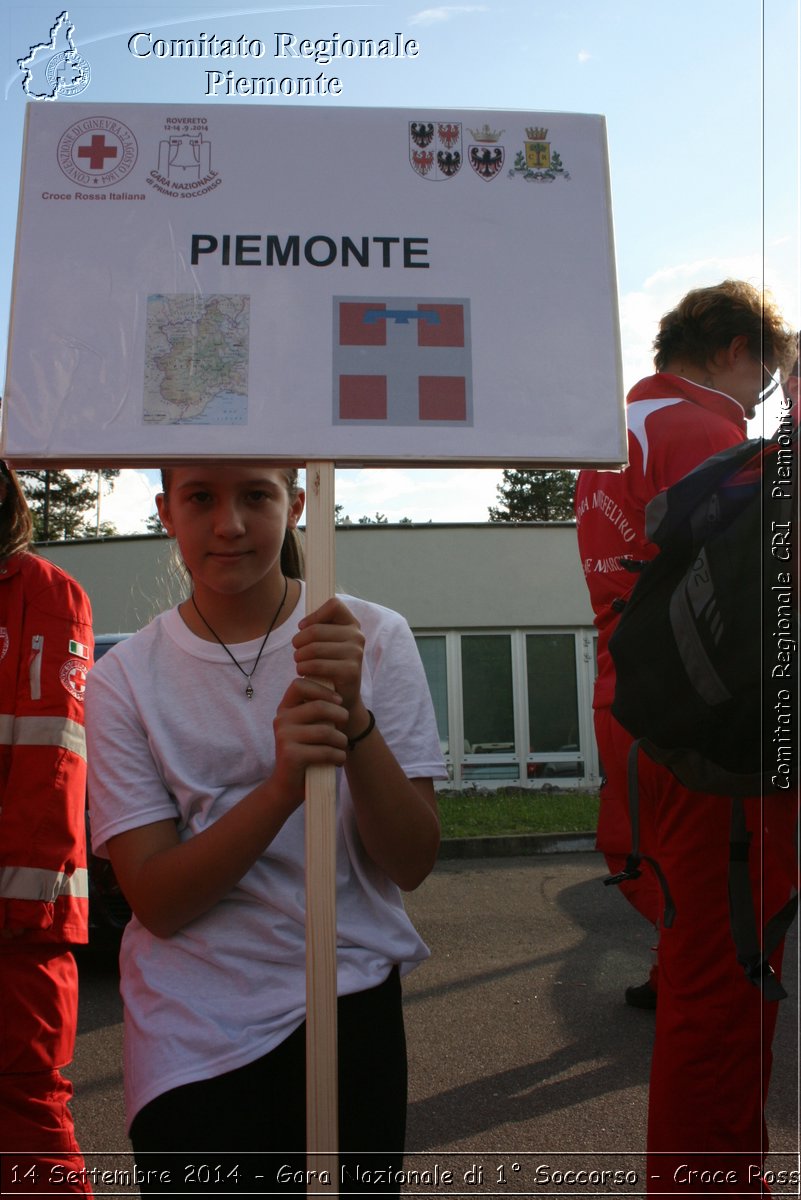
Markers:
<point>322,1133</point>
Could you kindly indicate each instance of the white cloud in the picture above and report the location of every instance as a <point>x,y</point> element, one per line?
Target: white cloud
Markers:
<point>435,16</point>
<point>584,56</point>
<point>421,495</point>
<point>131,501</point>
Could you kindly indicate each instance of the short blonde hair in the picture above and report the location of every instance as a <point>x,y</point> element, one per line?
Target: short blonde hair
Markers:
<point>708,319</point>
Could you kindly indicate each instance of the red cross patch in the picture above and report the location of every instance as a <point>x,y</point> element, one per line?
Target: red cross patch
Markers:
<point>73,677</point>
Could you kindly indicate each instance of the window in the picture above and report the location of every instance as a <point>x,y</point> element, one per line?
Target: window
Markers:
<point>433,654</point>
<point>513,705</point>
<point>488,707</point>
<point>553,716</point>
<point>489,725</point>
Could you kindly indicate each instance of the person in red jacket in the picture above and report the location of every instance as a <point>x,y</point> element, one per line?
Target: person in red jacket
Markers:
<point>45,652</point>
<point>716,354</point>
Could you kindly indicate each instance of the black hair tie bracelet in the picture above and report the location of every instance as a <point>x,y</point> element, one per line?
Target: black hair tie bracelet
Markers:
<point>365,733</point>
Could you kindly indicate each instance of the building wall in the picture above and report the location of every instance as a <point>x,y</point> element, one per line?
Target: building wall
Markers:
<point>500,612</point>
<point>438,576</point>
<point>128,580</point>
<point>458,576</point>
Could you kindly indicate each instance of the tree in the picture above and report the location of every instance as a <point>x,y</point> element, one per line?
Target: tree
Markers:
<point>542,495</point>
<point>153,524</point>
<point>341,518</point>
<point>65,504</point>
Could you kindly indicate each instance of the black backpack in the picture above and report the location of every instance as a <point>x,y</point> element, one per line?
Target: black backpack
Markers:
<point>706,648</point>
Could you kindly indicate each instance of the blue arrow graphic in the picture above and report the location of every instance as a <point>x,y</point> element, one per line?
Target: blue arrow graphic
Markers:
<point>401,316</point>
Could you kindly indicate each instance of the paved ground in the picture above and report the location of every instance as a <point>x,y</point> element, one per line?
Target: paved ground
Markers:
<point>523,1055</point>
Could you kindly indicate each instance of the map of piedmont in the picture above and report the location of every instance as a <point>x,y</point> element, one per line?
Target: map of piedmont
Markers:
<point>55,67</point>
<point>196,360</point>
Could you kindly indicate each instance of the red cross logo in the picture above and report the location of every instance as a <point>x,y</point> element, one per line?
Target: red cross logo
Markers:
<point>73,677</point>
<point>97,152</point>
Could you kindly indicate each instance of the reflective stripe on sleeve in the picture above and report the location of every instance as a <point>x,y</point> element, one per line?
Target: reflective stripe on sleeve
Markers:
<point>36,883</point>
<point>43,731</point>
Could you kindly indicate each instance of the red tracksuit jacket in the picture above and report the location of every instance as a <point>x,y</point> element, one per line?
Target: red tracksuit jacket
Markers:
<point>673,425</point>
<point>45,652</point>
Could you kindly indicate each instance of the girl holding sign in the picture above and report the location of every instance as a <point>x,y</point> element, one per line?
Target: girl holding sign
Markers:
<point>201,728</point>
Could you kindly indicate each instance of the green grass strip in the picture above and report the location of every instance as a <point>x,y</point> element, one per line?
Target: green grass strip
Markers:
<point>511,810</point>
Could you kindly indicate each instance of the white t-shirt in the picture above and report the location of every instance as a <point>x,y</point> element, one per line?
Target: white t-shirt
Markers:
<point>171,734</point>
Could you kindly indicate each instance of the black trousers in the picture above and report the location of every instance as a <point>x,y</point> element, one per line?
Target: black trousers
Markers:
<point>245,1131</point>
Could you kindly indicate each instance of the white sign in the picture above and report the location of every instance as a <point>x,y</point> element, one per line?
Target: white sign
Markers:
<point>355,285</point>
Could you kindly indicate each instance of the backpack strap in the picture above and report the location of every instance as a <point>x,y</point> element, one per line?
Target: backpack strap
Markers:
<point>752,956</point>
<point>632,868</point>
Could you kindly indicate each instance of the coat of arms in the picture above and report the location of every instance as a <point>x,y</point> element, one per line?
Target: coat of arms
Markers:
<point>536,162</point>
<point>486,157</point>
<point>435,148</point>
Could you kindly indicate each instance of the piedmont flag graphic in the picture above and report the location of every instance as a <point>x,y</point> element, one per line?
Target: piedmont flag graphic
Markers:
<point>402,361</point>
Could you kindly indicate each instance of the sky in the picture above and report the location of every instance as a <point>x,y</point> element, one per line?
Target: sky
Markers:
<point>701,100</point>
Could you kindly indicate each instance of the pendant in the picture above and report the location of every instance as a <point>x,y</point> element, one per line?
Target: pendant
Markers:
<point>249,692</point>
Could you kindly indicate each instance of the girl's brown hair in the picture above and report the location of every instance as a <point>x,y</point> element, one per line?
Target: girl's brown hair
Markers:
<point>292,565</point>
<point>16,526</point>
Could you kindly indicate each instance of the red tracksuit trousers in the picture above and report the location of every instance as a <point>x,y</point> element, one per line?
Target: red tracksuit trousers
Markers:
<point>714,1029</point>
<point>38,1022</point>
<point>614,838</point>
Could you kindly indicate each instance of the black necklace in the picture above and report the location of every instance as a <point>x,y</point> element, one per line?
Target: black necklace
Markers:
<point>248,674</point>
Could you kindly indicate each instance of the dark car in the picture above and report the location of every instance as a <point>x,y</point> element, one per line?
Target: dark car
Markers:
<point>109,911</point>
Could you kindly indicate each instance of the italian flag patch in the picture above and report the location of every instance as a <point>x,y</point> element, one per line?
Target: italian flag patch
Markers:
<point>79,650</point>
